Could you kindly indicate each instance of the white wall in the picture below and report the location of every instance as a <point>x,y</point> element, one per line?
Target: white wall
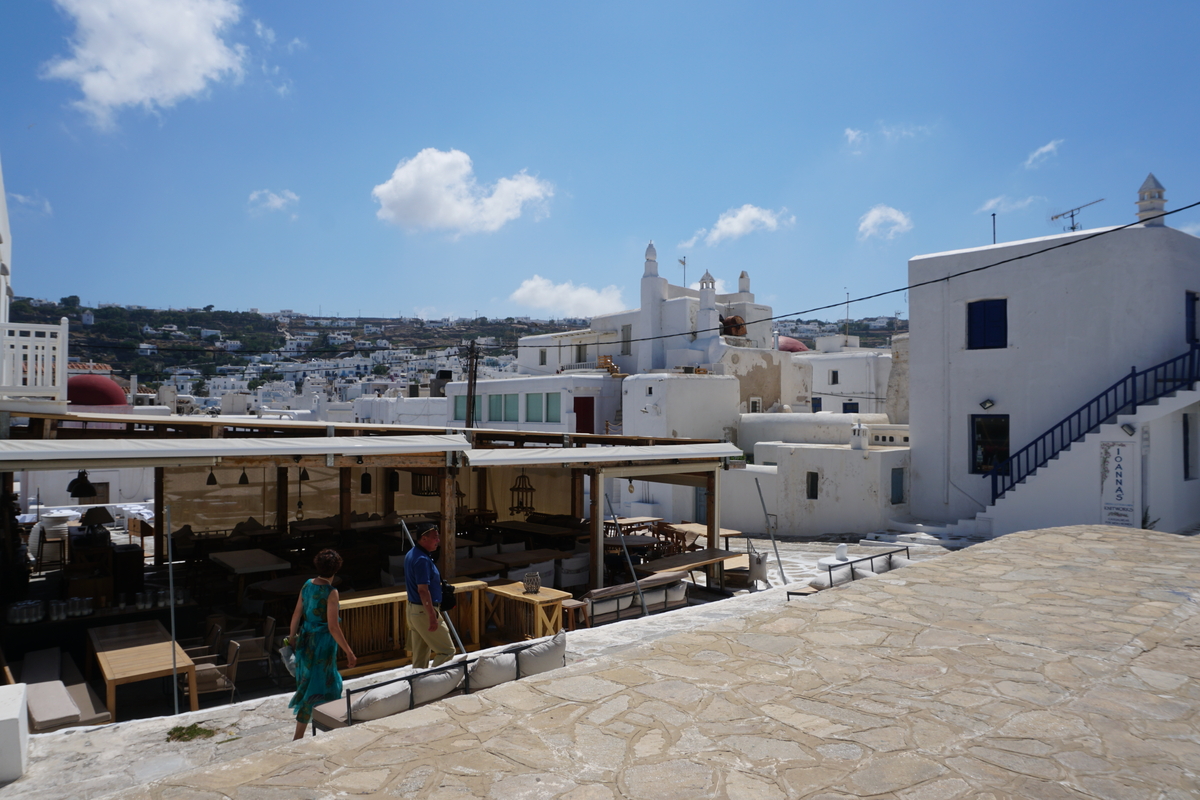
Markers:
<point>823,428</point>
<point>680,406</point>
<point>862,377</point>
<point>854,490</point>
<point>1078,318</point>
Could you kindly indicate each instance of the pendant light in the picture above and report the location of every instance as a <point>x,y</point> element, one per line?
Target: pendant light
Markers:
<point>244,480</point>
<point>212,479</point>
<point>522,495</point>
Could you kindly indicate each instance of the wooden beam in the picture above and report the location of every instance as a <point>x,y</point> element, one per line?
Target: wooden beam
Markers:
<point>448,527</point>
<point>281,500</point>
<point>597,518</point>
<point>159,517</point>
<point>577,493</point>
<point>344,509</point>
<point>389,497</point>
<point>413,462</point>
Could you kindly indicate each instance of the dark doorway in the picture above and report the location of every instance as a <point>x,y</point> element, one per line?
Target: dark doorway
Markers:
<point>989,442</point>
<point>585,415</point>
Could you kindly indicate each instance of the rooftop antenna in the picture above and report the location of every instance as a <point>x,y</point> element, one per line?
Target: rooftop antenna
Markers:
<point>1074,226</point>
<point>683,263</point>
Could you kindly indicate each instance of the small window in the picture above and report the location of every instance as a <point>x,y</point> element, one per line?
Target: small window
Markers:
<point>553,407</point>
<point>512,408</point>
<point>495,408</point>
<point>811,482</point>
<point>542,357</point>
<point>989,442</point>
<point>533,407</point>
<point>755,405</point>
<point>816,404</point>
<point>580,353</point>
<point>833,377</point>
<point>849,408</point>
<point>987,324</point>
<point>626,340</point>
<point>897,486</point>
<point>460,406</point>
<point>649,390</point>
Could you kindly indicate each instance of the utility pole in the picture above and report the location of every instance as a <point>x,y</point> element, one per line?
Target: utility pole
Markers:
<point>472,368</point>
<point>993,227</point>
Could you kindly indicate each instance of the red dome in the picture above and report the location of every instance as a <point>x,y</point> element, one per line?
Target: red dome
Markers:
<point>95,390</point>
<point>789,345</point>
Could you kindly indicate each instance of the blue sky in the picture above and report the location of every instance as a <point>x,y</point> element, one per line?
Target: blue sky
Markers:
<point>384,158</point>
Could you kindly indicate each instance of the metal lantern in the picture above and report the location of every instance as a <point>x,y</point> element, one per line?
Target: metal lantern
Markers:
<point>425,485</point>
<point>522,495</point>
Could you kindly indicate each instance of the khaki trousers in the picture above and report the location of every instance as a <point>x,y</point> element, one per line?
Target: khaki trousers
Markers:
<point>425,644</point>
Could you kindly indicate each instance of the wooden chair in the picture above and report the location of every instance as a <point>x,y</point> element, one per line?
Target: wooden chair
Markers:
<point>211,678</point>
<point>258,648</point>
<point>55,544</point>
<point>206,649</point>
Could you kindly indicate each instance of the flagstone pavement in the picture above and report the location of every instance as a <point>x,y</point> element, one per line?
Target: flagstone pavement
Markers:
<point>1060,663</point>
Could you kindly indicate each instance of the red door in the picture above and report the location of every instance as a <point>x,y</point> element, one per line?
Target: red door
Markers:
<point>585,415</point>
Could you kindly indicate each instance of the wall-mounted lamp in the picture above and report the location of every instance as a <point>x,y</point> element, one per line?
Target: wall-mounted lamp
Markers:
<point>245,479</point>
<point>212,479</point>
<point>1130,430</point>
<point>986,404</point>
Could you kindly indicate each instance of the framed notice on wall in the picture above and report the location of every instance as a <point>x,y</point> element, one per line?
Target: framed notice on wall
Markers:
<point>1119,483</point>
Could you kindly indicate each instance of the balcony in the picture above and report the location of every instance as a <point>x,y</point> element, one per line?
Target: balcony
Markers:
<point>33,363</point>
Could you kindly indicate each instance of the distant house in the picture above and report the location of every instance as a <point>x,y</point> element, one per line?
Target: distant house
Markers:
<point>147,349</point>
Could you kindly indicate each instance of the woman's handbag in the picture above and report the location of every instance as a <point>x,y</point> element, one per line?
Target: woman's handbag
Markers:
<point>288,656</point>
<point>449,601</point>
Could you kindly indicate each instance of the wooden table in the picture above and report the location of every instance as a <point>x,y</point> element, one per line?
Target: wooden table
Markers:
<point>249,562</point>
<point>541,534</point>
<point>523,616</point>
<point>686,562</point>
<point>523,558</point>
<point>475,566</point>
<point>623,524</point>
<point>137,651</point>
<point>696,531</point>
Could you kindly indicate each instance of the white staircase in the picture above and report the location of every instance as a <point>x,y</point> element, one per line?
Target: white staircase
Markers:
<point>1024,506</point>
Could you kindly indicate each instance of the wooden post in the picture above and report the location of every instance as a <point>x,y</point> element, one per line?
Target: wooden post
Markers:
<point>481,487</point>
<point>597,517</point>
<point>710,509</point>
<point>448,527</point>
<point>160,513</point>
<point>344,498</point>
<point>389,497</point>
<point>577,493</point>
<point>281,500</point>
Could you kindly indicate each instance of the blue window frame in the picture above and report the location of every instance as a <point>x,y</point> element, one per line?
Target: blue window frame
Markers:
<point>987,324</point>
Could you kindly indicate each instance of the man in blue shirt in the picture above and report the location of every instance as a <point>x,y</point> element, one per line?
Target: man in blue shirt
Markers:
<point>426,636</point>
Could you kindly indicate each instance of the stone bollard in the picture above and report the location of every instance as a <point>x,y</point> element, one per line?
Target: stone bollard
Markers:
<point>14,732</point>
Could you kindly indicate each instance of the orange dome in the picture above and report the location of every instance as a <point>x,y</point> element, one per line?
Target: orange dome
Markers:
<point>94,390</point>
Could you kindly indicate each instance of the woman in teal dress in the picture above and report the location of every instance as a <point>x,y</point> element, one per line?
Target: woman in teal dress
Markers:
<point>315,636</point>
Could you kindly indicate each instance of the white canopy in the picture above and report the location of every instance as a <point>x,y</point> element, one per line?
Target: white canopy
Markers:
<point>25,454</point>
<point>549,456</point>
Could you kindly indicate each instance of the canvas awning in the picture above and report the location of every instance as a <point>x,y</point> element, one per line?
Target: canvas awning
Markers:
<point>32,454</point>
<point>599,456</point>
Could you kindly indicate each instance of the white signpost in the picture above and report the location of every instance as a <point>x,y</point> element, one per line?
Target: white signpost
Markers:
<point>1119,484</point>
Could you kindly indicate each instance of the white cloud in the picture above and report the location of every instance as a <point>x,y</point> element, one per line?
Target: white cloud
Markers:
<point>737,222</point>
<point>40,203</point>
<point>893,132</point>
<point>265,200</point>
<point>1192,227</point>
<point>1042,153</point>
<point>296,44</point>
<point>437,190</point>
<point>853,136</point>
<point>567,299</point>
<point>884,222</point>
<point>1005,204</point>
<point>264,33</point>
<point>148,53</point>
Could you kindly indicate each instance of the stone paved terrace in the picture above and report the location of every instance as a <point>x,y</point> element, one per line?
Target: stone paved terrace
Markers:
<point>1050,664</point>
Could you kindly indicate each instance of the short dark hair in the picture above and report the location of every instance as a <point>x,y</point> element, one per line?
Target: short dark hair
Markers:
<point>327,562</point>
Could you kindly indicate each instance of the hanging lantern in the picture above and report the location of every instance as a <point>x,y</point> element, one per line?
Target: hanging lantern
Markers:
<point>365,483</point>
<point>212,479</point>
<point>245,479</point>
<point>425,485</point>
<point>393,481</point>
<point>522,495</point>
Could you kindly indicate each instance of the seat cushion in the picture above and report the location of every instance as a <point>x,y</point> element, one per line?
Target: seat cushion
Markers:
<point>91,707</point>
<point>436,683</point>
<point>50,706</point>
<point>544,656</point>
<point>382,701</point>
<point>492,669</point>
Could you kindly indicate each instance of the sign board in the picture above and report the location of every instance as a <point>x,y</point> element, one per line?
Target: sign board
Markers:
<point>1118,484</point>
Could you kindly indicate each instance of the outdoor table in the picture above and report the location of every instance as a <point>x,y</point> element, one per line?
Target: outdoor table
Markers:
<point>475,566</point>
<point>523,558</point>
<point>535,533</point>
<point>624,524</point>
<point>696,531</point>
<point>523,616</point>
<point>686,562</point>
<point>137,651</point>
<point>249,562</point>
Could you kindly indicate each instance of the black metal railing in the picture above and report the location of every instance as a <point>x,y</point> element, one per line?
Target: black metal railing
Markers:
<point>1123,397</point>
<point>851,562</point>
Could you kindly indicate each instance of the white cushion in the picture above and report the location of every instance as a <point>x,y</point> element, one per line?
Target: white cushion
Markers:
<point>492,669</point>
<point>677,592</point>
<point>654,597</point>
<point>381,702</point>
<point>50,705</point>
<point>900,561</point>
<point>435,684</point>
<point>544,656</point>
